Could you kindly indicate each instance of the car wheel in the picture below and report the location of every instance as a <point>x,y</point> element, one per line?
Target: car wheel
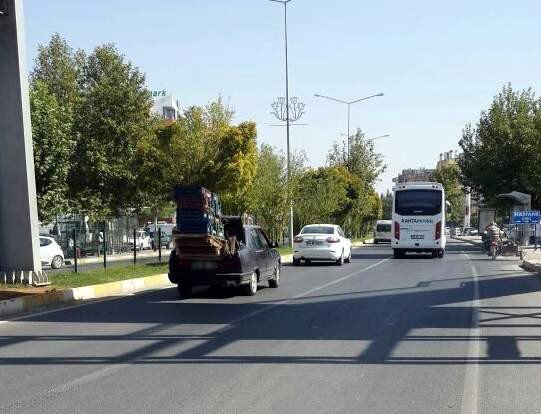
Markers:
<point>441,253</point>
<point>434,254</point>
<point>296,262</point>
<point>397,254</point>
<point>348,259</point>
<point>57,262</point>
<point>340,261</point>
<point>275,281</point>
<point>251,288</point>
<point>184,290</point>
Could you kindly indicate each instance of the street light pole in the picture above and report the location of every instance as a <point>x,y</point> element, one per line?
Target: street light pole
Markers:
<point>348,103</point>
<point>285,2</point>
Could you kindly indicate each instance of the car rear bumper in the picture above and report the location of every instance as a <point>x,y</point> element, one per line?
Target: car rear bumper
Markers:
<point>211,279</point>
<point>317,254</point>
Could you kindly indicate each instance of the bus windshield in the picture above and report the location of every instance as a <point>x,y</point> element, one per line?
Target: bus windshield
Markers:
<point>418,202</point>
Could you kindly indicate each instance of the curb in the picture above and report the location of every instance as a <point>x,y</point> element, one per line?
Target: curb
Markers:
<point>530,267</point>
<point>40,301</point>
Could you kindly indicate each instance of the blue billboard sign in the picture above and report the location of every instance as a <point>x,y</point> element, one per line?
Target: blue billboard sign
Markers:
<point>526,217</point>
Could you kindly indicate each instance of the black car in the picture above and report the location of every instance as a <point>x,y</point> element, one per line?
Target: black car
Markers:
<point>255,259</point>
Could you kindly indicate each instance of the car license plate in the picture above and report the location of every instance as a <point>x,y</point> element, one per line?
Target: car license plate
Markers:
<point>314,242</point>
<point>417,236</point>
<point>204,265</point>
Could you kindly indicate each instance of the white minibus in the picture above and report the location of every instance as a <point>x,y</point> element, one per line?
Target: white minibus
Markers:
<point>382,231</point>
<point>418,218</point>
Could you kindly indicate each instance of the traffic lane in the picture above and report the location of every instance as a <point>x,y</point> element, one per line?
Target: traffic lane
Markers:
<point>509,337</point>
<point>339,349</point>
<point>54,347</point>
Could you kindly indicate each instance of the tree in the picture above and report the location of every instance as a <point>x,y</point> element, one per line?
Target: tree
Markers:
<point>60,68</point>
<point>362,161</point>
<point>449,177</point>
<point>113,117</point>
<point>387,205</point>
<point>501,153</point>
<point>53,148</point>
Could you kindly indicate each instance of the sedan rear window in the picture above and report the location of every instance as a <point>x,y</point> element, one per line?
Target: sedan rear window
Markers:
<point>318,230</point>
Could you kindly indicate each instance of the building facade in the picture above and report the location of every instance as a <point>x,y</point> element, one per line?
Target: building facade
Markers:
<point>414,175</point>
<point>165,106</point>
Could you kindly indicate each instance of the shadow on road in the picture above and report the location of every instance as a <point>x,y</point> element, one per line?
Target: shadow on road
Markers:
<point>379,319</point>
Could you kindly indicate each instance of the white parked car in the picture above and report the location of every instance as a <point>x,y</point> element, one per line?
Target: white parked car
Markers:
<point>50,252</point>
<point>142,240</point>
<point>325,242</point>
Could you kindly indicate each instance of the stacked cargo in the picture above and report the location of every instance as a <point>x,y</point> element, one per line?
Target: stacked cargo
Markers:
<point>200,231</point>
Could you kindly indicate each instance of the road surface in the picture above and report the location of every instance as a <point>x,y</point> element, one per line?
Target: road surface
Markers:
<point>418,335</point>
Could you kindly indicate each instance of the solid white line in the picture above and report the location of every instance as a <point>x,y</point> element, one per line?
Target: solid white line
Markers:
<point>470,399</point>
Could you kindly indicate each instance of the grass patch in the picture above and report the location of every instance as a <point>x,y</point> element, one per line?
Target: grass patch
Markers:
<point>113,274</point>
<point>285,250</point>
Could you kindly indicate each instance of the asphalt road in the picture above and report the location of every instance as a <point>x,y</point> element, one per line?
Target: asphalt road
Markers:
<point>418,335</point>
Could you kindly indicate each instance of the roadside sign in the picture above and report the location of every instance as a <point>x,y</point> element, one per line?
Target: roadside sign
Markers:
<point>526,217</point>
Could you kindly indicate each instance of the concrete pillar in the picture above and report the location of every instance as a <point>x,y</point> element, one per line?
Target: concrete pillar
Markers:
<point>19,241</point>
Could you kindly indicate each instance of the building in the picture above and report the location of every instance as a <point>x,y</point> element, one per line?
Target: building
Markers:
<point>414,175</point>
<point>447,158</point>
<point>165,105</point>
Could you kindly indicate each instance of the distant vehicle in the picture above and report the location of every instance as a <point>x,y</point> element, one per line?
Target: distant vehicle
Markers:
<point>255,259</point>
<point>447,231</point>
<point>50,252</point>
<point>321,242</point>
<point>458,231</point>
<point>382,231</point>
<point>470,231</point>
<point>418,218</point>
<point>142,240</point>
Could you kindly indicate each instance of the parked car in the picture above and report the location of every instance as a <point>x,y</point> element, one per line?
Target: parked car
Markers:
<point>447,231</point>
<point>255,259</point>
<point>458,231</point>
<point>166,239</point>
<point>142,240</point>
<point>470,231</point>
<point>321,242</point>
<point>50,252</point>
<point>382,231</point>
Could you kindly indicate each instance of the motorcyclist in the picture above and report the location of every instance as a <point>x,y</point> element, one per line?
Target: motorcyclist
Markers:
<point>494,234</point>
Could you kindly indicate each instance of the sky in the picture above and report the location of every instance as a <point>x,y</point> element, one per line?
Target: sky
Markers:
<point>439,64</point>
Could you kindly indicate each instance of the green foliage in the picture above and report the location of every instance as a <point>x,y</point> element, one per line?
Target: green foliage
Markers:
<point>449,176</point>
<point>270,198</point>
<point>334,195</point>
<point>113,117</point>
<point>363,160</point>
<point>501,153</point>
<point>387,205</point>
<point>53,148</point>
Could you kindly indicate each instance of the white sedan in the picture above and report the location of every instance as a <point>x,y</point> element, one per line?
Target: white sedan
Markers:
<point>325,242</point>
<point>50,252</point>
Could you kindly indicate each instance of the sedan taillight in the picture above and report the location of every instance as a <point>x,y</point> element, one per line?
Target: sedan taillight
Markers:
<point>333,240</point>
<point>298,239</point>
<point>396,231</point>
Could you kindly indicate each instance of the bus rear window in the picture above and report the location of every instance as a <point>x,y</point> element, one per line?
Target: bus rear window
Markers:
<point>418,202</point>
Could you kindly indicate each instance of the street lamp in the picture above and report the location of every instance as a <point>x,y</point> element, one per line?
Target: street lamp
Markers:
<point>287,119</point>
<point>381,136</point>
<point>348,103</point>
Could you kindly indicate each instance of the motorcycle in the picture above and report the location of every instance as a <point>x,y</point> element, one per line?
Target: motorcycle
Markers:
<point>495,249</point>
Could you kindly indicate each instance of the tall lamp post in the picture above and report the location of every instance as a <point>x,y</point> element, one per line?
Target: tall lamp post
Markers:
<point>287,103</point>
<point>348,103</point>
<point>381,136</point>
